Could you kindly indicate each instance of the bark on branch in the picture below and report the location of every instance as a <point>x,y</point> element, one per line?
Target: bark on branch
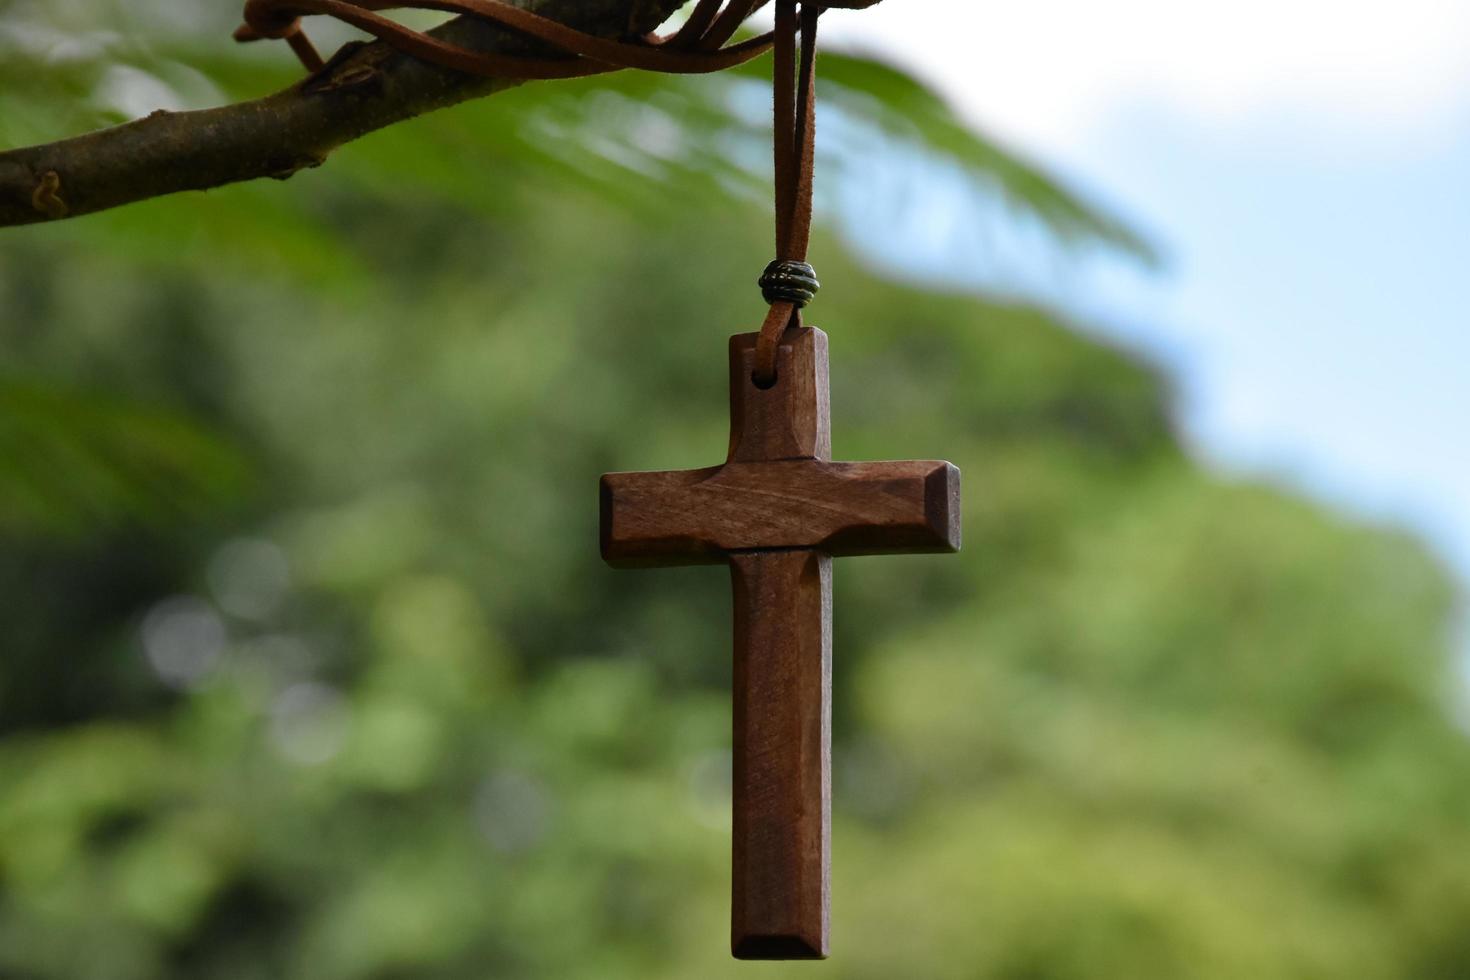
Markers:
<point>364,88</point>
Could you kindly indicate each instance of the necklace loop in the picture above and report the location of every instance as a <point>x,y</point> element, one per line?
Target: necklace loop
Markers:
<point>699,47</point>
<point>795,152</point>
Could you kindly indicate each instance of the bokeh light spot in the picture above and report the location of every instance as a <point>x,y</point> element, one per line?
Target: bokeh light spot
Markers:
<point>183,638</point>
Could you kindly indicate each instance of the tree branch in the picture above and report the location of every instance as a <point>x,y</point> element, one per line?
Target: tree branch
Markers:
<point>364,88</point>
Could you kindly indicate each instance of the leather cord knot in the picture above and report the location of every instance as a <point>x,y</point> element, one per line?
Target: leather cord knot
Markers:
<point>266,21</point>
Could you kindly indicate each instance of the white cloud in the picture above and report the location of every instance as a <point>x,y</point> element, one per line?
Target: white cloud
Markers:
<point>1043,72</point>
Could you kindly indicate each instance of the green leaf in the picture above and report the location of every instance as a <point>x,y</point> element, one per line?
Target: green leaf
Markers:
<point>73,462</point>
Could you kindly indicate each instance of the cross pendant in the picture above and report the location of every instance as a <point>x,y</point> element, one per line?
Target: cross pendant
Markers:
<point>778,511</point>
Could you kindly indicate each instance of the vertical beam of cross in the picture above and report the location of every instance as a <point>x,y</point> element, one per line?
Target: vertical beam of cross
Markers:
<point>777,511</point>
<point>782,754</point>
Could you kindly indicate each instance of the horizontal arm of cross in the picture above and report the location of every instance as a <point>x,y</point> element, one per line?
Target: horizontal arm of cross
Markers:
<point>689,517</point>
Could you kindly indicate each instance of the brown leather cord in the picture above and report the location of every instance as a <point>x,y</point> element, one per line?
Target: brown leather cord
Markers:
<point>729,21</point>
<point>700,45</point>
<point>696,48</point>
<point>701,19</point>
<point>795,143</point>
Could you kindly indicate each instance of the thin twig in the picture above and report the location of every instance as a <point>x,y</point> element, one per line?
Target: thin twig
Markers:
<point>362,89</point>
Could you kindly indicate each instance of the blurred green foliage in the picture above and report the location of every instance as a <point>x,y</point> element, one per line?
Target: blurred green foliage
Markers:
<point>311,669</point>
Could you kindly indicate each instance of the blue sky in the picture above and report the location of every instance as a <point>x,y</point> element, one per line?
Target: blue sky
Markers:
<point>1305,167</point>
<point>1316,312</point>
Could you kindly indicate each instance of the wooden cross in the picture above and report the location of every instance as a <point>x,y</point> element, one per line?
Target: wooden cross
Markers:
<point>778,511</point>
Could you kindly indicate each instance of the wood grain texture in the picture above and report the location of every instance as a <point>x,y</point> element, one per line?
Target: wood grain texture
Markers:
<point>701,516</point>
<point>778,510</point>
<point>793,418</point>
<point>782,754</point>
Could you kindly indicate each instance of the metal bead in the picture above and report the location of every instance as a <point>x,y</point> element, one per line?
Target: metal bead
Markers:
<point>789,282</point>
